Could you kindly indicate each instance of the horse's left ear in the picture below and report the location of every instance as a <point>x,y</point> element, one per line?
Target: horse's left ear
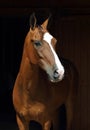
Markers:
<point>45,23</point>
<point>33,21</point>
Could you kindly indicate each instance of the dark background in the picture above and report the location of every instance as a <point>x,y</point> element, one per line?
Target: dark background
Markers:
<point>12,33</point>
<point>14,25</point>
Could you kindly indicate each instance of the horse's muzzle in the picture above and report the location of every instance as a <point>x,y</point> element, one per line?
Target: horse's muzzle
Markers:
<point>56,74</point>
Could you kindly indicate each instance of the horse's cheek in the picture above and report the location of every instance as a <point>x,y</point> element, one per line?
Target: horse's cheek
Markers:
<point>33,56</point>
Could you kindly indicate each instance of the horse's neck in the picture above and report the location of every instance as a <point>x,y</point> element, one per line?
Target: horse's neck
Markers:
<point>28,72</point>
<point>31,74</point>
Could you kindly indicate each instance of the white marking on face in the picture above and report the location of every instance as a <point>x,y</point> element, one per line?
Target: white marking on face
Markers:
<point>47,37</point>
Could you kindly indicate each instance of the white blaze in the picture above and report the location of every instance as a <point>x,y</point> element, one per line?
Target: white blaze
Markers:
<point>47,37</point>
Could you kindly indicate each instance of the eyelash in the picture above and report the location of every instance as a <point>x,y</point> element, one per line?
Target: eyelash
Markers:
<point>37,43</point>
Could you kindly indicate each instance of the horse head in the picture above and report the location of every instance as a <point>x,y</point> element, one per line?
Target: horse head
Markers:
<point>42,50</point>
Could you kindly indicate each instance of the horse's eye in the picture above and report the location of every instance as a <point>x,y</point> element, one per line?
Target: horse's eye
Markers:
<point>37,43</point>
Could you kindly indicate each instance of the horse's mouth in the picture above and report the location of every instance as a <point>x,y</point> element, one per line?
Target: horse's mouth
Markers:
<point>55,80</point>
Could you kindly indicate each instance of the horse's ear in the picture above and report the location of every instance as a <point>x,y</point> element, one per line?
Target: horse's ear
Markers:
<point>33,21</point>
<point>45,23</point>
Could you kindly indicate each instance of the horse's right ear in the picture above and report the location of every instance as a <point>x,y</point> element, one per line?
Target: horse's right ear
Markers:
<point>33,21</point>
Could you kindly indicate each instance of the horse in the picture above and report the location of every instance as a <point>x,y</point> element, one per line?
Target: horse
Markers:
<point>44,81</point>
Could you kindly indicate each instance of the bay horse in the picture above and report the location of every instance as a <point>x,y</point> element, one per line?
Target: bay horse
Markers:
<point>44,81</point>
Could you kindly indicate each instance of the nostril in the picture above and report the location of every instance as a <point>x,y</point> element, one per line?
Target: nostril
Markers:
<point>56,74</point>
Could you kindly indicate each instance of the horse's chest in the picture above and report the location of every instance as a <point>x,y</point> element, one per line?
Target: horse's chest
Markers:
<point>39,112</point>
<point>37,108</point>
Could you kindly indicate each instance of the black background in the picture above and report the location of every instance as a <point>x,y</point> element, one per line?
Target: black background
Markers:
<point>14,25</point>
